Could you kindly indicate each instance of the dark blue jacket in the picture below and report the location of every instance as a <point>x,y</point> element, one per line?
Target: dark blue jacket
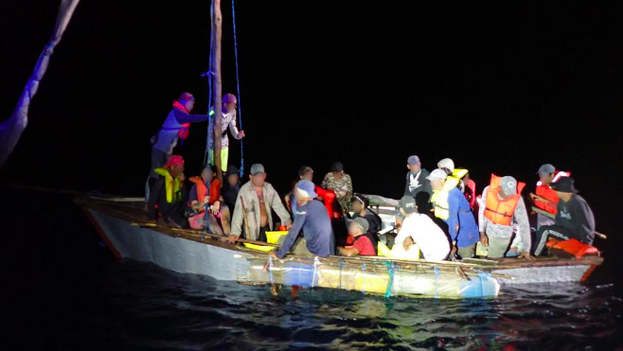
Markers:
<point>314,220</point>
<point>461,215</point>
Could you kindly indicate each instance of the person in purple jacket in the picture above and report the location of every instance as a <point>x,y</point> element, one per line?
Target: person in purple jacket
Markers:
<point>312,218</point>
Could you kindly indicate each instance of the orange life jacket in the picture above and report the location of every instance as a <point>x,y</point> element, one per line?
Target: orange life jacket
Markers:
<point>202,189</point>
<point>574,247</point>
<point>497,210</point>
<point>547,192</point>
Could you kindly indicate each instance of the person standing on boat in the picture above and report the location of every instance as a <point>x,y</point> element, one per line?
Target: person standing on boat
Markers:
<point>450,205</point>
<point>366,243</point>
<point>416,178</point>
<point>174,128</point>
<point>360,208</point>
<point>420,229</point>
<point>502,211</point>
<point>254,205</point>
<point>166,201</point>
<point>545,197</point>
<point>305,173</point>
<point>311,218</point>
<point>228,121</point>
<point>574,218</point>
<point>341,184</point>
<point>229,192</point>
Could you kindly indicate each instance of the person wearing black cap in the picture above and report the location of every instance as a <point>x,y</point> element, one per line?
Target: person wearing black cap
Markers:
<point>359,206</point>
<point>416,178</point>
<point>574,218</point>
<point>340,183</point>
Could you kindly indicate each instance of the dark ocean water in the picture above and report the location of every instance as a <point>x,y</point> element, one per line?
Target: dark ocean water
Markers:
<point>68,293</point>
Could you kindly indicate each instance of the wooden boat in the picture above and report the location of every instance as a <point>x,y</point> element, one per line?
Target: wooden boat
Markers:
<point>121,223</point>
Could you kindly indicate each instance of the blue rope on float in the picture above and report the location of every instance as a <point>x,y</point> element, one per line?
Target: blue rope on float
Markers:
<point>341,267</point>
<point>363,278</point>
<point>391,268</point>
<point>315,273</point>
<point>233,15</point>
<point>436,279</point>
<point>270,269</point>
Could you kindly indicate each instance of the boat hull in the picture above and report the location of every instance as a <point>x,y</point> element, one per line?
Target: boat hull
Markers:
<point>174,253</point>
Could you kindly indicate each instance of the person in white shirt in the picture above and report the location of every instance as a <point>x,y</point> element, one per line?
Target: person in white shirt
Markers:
<point>228,121</point>
<point>419,228</point>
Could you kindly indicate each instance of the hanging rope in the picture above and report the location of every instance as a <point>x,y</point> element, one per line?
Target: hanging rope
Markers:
<point>206,156</point>
<point>233,14</point>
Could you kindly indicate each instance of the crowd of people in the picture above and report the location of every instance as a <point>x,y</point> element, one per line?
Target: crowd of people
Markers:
<point>440,210</point>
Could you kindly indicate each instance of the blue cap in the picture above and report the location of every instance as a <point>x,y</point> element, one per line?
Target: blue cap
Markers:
<point>307,187</point>
<point>413,160</point>
<point>546,169</point>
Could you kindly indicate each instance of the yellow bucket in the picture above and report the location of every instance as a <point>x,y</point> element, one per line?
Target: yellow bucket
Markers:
<point>383,250</point>
<point>259,247</point>
<point>273,237</point>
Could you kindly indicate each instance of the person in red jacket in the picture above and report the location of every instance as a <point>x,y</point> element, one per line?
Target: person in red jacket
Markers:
<point>545,197</point>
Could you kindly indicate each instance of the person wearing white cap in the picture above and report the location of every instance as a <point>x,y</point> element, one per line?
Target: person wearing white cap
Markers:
<point>502,213</point>
<point>452,207</point>
<point>545,197</point>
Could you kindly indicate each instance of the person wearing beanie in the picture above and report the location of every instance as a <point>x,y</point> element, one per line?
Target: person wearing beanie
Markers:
<point>502,213</point>
<point>341,183</point>
<point>311,218</point>
<point>360,209</point>
<point>230,189</point>
<point>175,127</point>
<point>228,121</point>
<point>166,203</point>
<point>574,217</point>
<point>366,244</point>
<point>419,228</point>
<point>416,178</point>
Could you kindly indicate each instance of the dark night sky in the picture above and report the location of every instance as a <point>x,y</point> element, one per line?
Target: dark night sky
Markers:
<point>499,88</point>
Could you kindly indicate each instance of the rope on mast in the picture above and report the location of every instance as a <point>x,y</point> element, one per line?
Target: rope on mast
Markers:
<point>233,14</point>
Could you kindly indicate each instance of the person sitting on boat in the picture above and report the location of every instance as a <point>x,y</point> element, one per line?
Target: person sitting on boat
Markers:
<point>205,193</point>
<point>366,243</point>
<point>450,205</point>
<point>418,228</point>
<point>340,183</point>
<point>166,195</point>
<point>416,178</point>
<point>229,191</point>
<point>311,218</point>
<point>228,120</point>
<point>502,208</point>
<point>574,218</point>
<point>470,191</point>
<point>254,205</point>
<point>360,208</point>
<point>545,197</point>
<point>305,173</point>
<point>174,128</point>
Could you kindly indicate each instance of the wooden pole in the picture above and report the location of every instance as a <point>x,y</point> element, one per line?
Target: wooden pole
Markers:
<point>217,29</point>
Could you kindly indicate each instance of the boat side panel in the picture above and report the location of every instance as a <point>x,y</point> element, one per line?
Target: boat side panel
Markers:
<point>177,254</point>
<point>556,274</point>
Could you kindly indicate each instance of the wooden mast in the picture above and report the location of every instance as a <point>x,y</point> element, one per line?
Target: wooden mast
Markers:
<point>217,97</point>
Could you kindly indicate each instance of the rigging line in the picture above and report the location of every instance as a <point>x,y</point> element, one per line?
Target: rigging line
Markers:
<point>233,14</point>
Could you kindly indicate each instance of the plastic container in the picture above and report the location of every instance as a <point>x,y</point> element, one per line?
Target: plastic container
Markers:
<point>273,237</point>
<point>259,247</point>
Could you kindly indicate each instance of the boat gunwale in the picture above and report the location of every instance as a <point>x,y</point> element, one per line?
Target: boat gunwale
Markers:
<point>467,268</point>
